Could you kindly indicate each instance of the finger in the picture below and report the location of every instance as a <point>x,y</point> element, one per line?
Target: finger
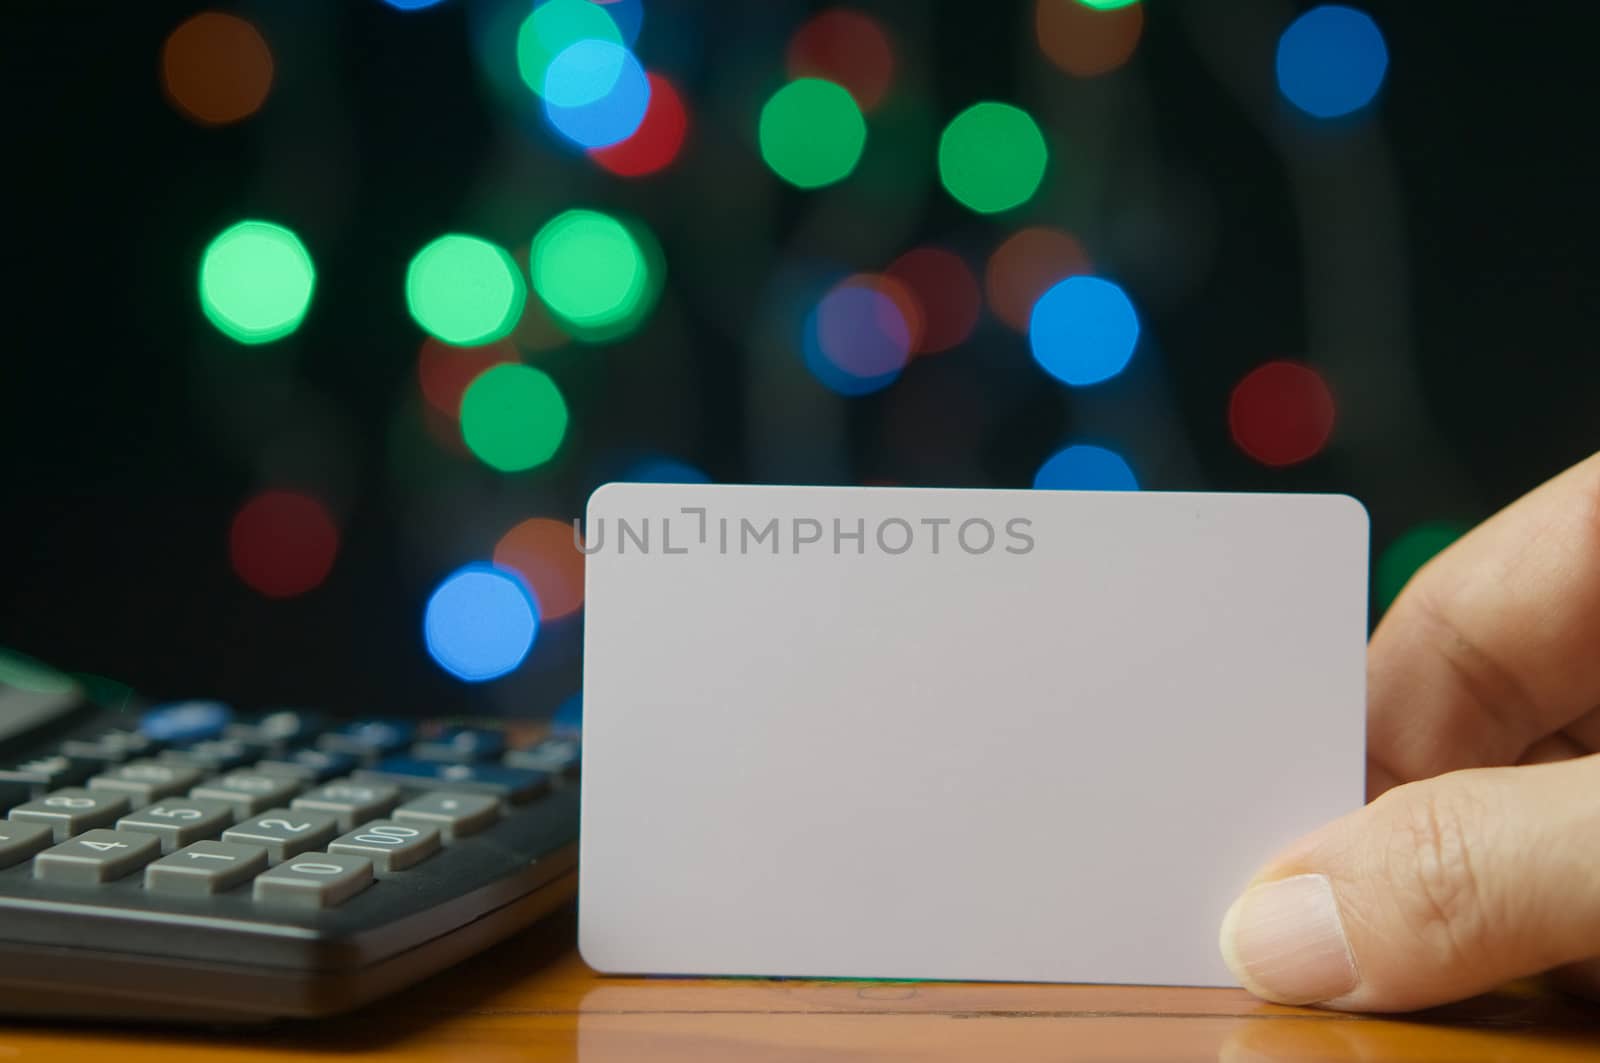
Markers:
<point>1585,730</point>
<point>1438,890</point>
<point>1492,644</point>
<point>1582,979</point>
<point>1552,748</point>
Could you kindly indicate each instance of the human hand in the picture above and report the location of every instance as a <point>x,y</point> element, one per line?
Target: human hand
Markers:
<point>1478,859</point>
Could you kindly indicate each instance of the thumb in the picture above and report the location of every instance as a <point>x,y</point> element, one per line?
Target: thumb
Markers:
<point>1438,890</point>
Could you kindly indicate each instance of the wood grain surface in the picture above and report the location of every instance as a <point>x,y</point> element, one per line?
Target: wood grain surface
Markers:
<point>532,998</point>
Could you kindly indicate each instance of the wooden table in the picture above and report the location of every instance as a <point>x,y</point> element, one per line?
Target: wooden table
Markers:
<point>532,998</point>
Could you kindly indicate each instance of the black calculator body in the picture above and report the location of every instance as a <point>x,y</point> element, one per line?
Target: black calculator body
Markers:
<point>188,862</point>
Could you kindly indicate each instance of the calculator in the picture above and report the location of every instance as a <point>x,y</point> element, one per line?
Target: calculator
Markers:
<point>186,861</point>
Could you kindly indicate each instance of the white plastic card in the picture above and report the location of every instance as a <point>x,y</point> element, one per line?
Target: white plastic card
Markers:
<point>956,734</point>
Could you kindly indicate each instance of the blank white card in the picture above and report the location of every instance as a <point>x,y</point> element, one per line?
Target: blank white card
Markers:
<point>956,734</point>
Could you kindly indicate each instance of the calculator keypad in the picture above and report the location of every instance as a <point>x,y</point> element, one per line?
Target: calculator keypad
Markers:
<point>285,832</point>
<point>456,815</point>
<point>111,747</point>
<point>249,792</point>
<point>180,821</point>
<point>514,785</point>
<point>72,810</point>
<point>18,841</point>
<point>146,780</point>
<point>196,802</point>
<point>351,802</point>
<point>314,881</point>
<point>204,868</point>
<point>96,856</point>
<point>49,772</point>
<point>389,845</point>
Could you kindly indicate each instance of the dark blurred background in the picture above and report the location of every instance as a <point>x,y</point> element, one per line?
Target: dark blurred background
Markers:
<point>1396,300</point>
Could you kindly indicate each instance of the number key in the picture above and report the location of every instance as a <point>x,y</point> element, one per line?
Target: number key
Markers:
<point>147,780</point>
<point>96,856</point>
<point>315,880</point>
<point>180,822</point>
<point>204,868</point>
<point>212,755</point>
<point>72,811</point>
<point>249,791</point>
<point>390,846</point>
<point>311,765</point>
<point>18,841</point>
<point>368,739</point>
<point>50,772</point>
<point>351,802</point>
<point>284,832</point>
<point>461,745</point>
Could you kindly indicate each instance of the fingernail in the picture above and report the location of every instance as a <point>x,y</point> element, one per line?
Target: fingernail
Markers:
<point>1285,941</point>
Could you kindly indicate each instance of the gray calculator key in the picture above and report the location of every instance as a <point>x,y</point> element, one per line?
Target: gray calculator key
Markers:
<point>147,780</point>
<point>96,856</point>
<point>456,815</point>
<point>314,880</point>
<point>390,846</point>
<point>180,821</point>
<point>113,746</point>
<point>249,792</point>
<point>285,832</point>
<point>73,810</point>
<point>204,868</point>
<point>18,841</point>
<point>352,802</point>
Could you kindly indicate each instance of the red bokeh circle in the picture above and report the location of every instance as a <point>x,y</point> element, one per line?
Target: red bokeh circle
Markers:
<point>656,142</point>
<point>444,371</point>
<point>1281,413</point>
<point>846,47</point>
<point>282,543</point>
<point>946,292</point>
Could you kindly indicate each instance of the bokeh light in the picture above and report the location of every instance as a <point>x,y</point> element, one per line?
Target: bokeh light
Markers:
<point>412,5</point>
<point>657,141</point>
<point>628,16</point>
<point>1029,263</point>
<point>554,26</point>
<point>1332,61</point>
<point>1413,549</point>
<point>480,623</point>
<point>591,271</point>
<point>444,371</point>
<point>663,470</point>
<point>863,327</point>
<point>583,72</point>
<point>812,133</point>
<point>857,340</point>
<point>946,294</point>
<point>992,157</point>
<point>848,48</point>
<point>282,543</point>
<point>216,69</point>
<point>513,417</point>
<point>1281,413</point>
<point>1087,40</point>
<point>596,93</point>
<point>465,290</point>
<point>1106,5</point>
<point>1083,330</point>
<point>1083,467</point>
<point>543,552</point>
<point>256,280</point>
